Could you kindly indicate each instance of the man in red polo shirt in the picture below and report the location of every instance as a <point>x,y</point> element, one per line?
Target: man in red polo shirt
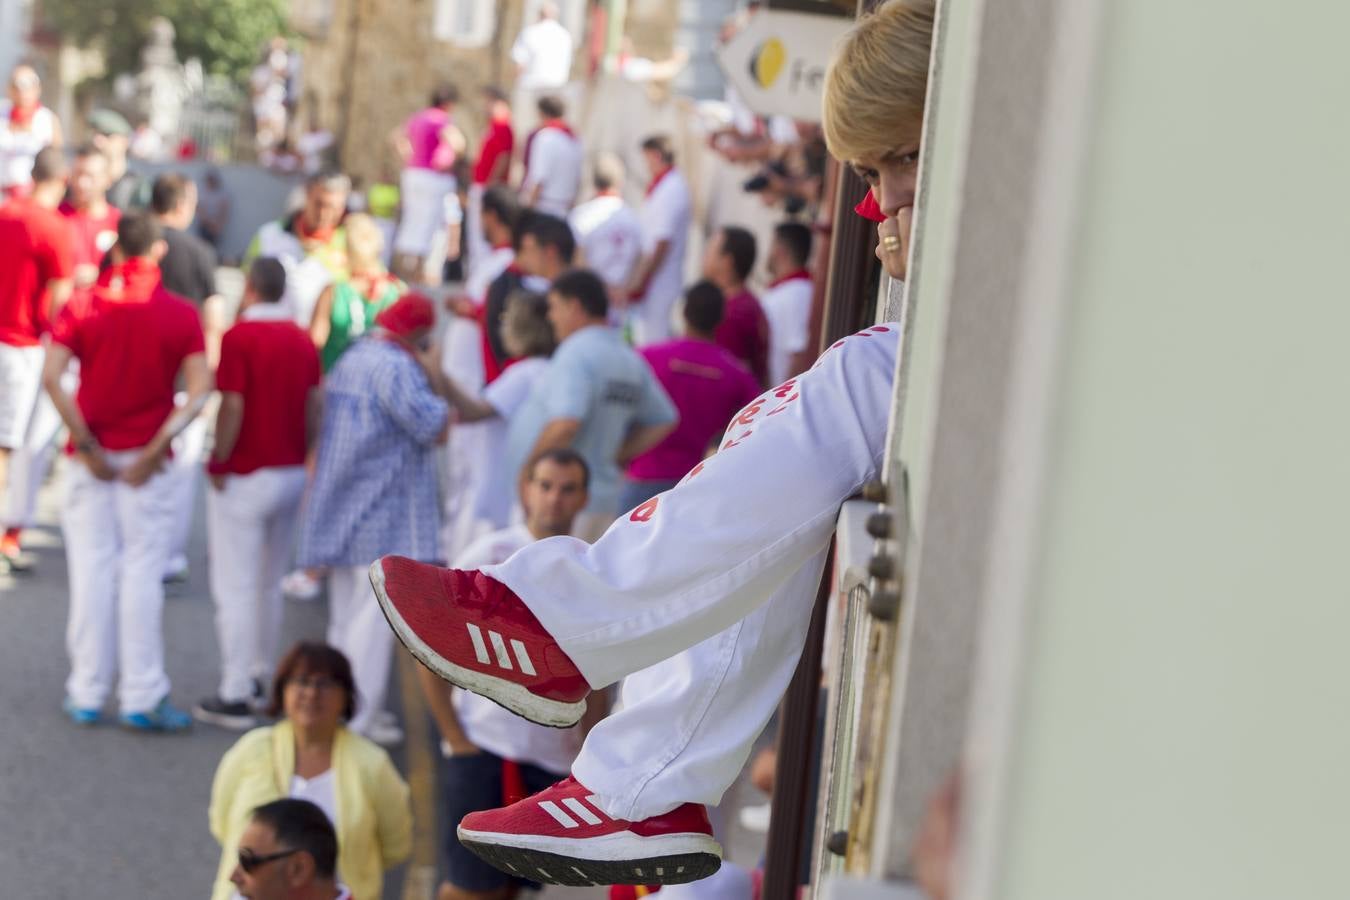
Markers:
<point>744,330</point>
<point>93,220</point>
<point>133,340</point>
<point>269,416</point>
<point>493,167</point>
<point>35,272</point>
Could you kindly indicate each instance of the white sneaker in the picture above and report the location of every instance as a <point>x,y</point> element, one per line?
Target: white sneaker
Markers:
<point>299,586</point>
<point>756,818</point>
<point>386,734</point>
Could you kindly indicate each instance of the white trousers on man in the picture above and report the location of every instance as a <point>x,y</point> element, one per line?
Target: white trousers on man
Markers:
<point>705,592</point>
<point>29,463</point>
<point>185,471</point>
<point>357,628</point>
<point>117,539</point>
<point>251,529</point>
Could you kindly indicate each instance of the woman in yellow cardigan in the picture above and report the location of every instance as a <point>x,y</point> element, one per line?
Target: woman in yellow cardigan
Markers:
<point>310,754</point>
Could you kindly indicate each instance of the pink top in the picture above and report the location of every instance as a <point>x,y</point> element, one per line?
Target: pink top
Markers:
<point>424,134</point>
<point>709,387</point>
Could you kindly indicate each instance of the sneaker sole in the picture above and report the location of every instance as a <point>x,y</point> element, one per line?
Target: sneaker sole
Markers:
<point>220,720</point>
<point>507,694</point>
<point>613,859</point>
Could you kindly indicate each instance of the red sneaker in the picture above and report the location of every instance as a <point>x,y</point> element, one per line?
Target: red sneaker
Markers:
<point>474,632</point>
<point>560,836</point>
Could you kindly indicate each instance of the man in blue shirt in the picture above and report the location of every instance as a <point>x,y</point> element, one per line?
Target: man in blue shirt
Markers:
<point>599,397</point>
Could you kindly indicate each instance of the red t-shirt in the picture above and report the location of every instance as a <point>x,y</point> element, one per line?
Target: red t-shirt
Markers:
<point>131,339</point>
<point>498,140</point>
<point>273,365</point>
<point>744,331</point>
<point>35,248</point>
<point>93,236</point>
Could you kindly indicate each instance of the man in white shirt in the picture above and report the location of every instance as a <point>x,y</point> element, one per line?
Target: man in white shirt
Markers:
<point>787,302</point>
<point>553,161</point>
<point>479,738</point>
<point>665,217</point>
<point>608,231</point>
<point>543,57</point>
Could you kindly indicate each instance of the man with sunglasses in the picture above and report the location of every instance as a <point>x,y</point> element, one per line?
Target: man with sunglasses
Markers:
<point>288,852</point>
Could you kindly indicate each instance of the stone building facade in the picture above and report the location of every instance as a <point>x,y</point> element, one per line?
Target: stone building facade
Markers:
<point>369,64</point>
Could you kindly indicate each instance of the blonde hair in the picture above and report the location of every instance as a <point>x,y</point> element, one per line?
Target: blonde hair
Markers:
<point>876,85</point>
<point>525,325</point>
<point>365,243</point>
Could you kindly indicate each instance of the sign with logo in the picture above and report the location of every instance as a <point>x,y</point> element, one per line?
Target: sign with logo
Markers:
<point>777,62</point>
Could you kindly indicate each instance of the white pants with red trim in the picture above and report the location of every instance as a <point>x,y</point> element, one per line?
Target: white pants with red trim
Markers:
<point>709,587</point>
<point>357,628</point>
<point>185,471</point>
<point>251,530</point>
<point>117,538</point>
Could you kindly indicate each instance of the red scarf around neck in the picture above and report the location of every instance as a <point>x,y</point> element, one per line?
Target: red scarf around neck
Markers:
<point>651,188</point>
<point>799,275</point>
<point>22,116</point>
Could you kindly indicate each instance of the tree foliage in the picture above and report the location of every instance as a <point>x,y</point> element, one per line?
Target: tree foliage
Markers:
<point>226,35</point>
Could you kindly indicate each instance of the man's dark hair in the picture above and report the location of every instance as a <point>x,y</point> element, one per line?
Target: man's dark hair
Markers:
<point>495,94</point>
<point>137,233</point>
<point>444,95</point>
<point>740,245</point>
<point>661,144</point>
<point>551,107</point>
<point>49,165</point>
<point>329,180</point>
<point>300,825</point>
<point>501,202</point>
<point>563,456</point>
<point>796,237</point>
<point>704,306</point>
<point>585,287</point>
<point>168,192</point>
<point>88,151</point>
<point>550,231</point>
<point>267,277</point>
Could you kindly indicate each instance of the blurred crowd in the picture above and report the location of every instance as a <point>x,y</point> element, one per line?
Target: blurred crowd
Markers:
<point>344,410</point>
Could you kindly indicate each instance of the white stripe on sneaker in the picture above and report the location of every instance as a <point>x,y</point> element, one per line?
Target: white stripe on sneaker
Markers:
<point>585,814</point>
<point>563,818</point>
<point>522,657</point>
<point>479,648</point>
<point>499,645</point>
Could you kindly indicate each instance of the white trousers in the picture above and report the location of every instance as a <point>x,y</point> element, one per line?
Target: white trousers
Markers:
<point>475,242</point>
<point>250,527</point>
<point>357,628</point>
<point>29,463</point>
<point>422,197</point>
<point>185,472</point>
<point>117,538</point>
<point>20,385</point>
<point>709,586</point>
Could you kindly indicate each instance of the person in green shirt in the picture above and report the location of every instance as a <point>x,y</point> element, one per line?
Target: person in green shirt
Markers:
<point>347,308</point>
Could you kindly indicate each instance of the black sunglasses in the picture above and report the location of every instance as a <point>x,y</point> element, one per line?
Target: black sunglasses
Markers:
<point>251,862</point>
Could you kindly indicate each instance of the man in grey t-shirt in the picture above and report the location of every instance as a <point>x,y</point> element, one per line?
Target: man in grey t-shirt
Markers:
<point>598,397</point>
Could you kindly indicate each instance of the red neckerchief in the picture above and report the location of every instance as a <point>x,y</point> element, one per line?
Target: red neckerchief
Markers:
<point>22,116</point>
<point>135,279</point>
<point>375,286</point>
<point>319,235</point>
<point>799,275</point>
<point>870,210</point>
<point>651,188</point>
<point>505,246</point>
